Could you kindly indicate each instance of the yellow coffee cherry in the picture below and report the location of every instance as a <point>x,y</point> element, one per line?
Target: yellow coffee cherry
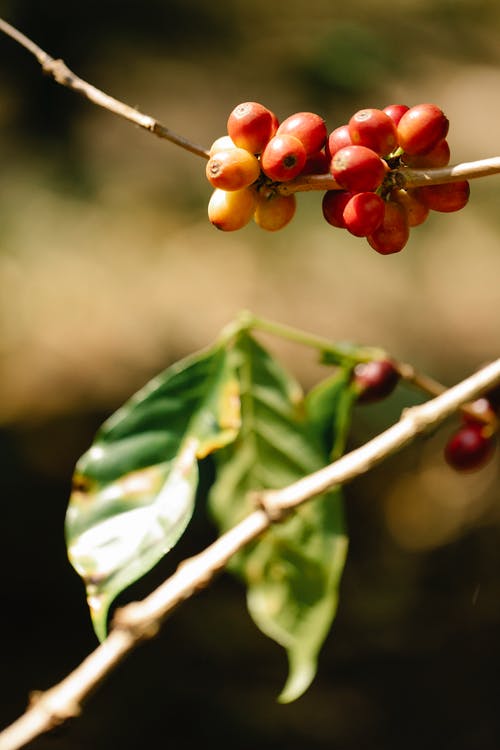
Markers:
<point>274,212</point>
<point>232,169</point>
<point>222,143</point>
<point>231,210</point>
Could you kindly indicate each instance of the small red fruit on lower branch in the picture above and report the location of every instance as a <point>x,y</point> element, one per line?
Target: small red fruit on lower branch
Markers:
<point>333,204</point>
<point>232,169</point>
<point>375,380</point>
<point>308,127</point>
<point>421,128</point>
<point>251,125</point>
<point>395,111</point>
<point>283,158</point>
<point>375,129</point>
<point>470,447</point>
<point>358,168</point>
<point>392,235</point>
<point>448,197</point>
<point>232,210</point>
<point>363,213</point>
<point>274,212</point>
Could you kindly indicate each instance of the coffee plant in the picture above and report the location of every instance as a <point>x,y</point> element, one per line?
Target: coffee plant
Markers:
<point>278,452</point>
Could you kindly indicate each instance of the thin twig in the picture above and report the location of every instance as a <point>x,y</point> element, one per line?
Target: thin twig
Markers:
<point>63,75</point>
<point>140,620</point>
<point>403,176</point>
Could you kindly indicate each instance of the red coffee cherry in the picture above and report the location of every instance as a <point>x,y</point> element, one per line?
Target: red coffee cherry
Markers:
<point>358,168</point>
<point>421,128</point>
<point>274,212</point>
<point>333,204</point>
<point>308,127</point>
<point>439,156</point>
<point>374,129</point>
<point>448,197</point>
<point>375,380</point>
<point>338,138</point>
<point>470,448</point>
<point>395,111</point>
<point>250,125</point>
<point>392,235</point>
<point>363,213</point>
<point>283,158</point>
<point>416,212</point>
<point>317,163</point>
<point>232,169</point>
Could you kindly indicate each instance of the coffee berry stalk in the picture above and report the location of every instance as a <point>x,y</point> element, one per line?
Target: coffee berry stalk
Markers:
<point>259,160</point>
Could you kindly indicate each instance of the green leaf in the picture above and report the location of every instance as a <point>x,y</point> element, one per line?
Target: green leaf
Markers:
<point>292,572</point>
<point>134,489</point>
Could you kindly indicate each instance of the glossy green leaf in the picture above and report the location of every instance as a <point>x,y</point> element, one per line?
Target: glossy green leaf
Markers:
<point>292,572</point>
<point>134,489</point>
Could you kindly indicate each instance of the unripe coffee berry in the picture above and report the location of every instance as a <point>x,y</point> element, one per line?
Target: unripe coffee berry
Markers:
<point>274,212</point>
<point>232,169</point>
<point>232,210</point>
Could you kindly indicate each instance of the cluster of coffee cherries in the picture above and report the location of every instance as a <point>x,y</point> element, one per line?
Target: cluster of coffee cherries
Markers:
<point>471,446</point>
<point>248,166</point>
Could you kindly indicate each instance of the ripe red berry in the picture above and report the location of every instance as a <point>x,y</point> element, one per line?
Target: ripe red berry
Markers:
<point>333,204</point>
<point>416,211</point>
<point>374,129</point>
<point>358,168</point>
<point>363,213</point>
<point>250,125</point>
<point>439,156</point>
<point>448,197</point>
<point>470,447</point>
<point>393,233</point>
<point>283,158</point>
<point>317,163</point>
<point>395,111</point>
<point>308,127</point>
<point>375,380</point>
<point>232,169</point>
<point>421,128</point>
<point>338,138</point>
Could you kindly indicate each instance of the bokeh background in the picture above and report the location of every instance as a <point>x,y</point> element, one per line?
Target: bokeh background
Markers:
<point>110,271</point>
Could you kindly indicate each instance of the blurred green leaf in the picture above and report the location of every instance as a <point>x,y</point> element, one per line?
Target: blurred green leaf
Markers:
<point>292,573</point>
<point>134,489</point>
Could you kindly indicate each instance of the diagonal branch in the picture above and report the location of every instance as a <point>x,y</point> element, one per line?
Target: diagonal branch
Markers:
<point>63,75</point>
<point>403,176</point>
<point>141,620</point>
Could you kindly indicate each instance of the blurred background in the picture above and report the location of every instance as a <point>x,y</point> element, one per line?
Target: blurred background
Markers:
<point>110,271</point>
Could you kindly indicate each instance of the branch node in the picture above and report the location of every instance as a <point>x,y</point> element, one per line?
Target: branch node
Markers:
<point>56,717</point>
<point>131,619</point>
<point>273,510</point>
